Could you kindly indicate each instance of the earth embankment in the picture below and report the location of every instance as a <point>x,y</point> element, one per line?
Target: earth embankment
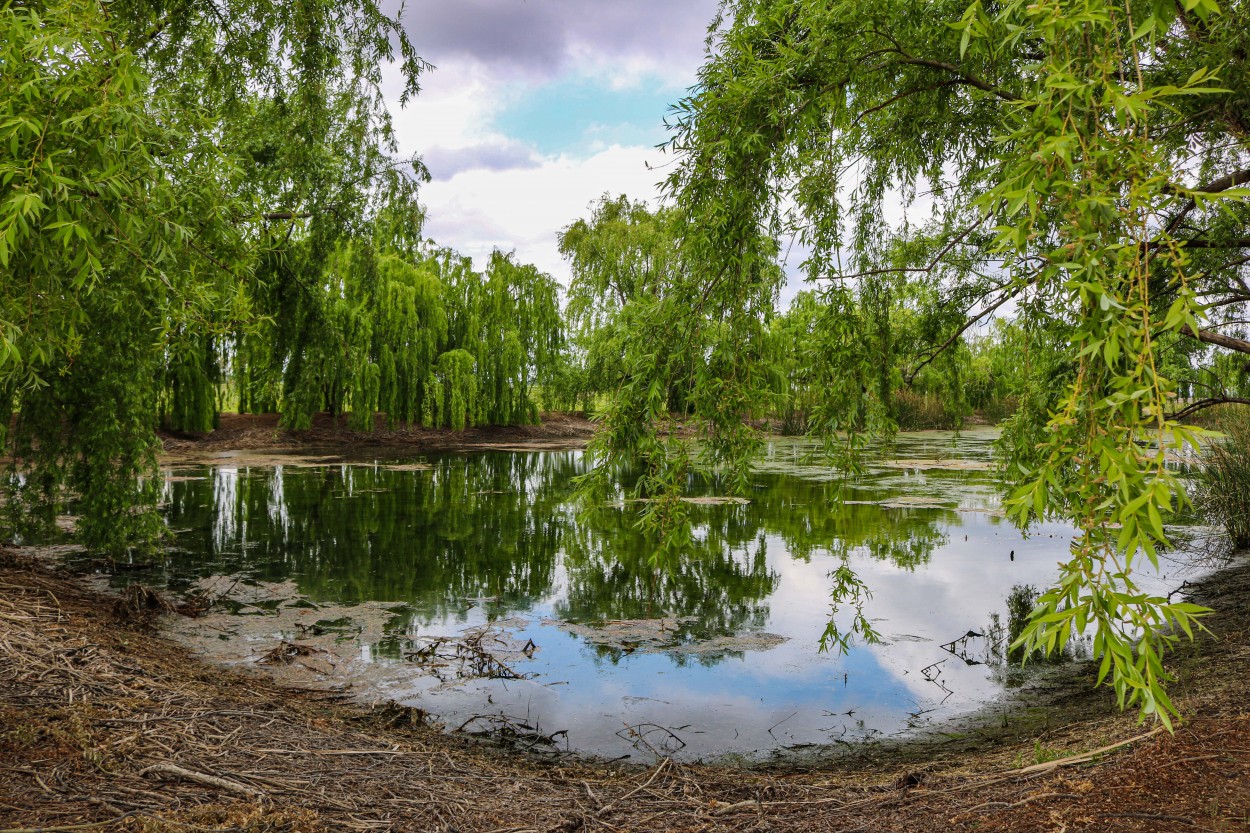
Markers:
<point>106,725</point>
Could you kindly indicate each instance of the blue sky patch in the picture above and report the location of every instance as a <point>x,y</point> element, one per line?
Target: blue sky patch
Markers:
<point>579,116</point>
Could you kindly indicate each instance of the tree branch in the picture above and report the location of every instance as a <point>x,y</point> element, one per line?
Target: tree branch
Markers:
<point>1203,404</point>
<point>286,215</point>
<point>1218,339</point>
<point>1227,302</point>
<point>1235,243</point>
<point>924,270</point>
<point>1197,243</point>
<point>960,76</point>
<point>944,346</point>
<point>1215,186</point>
<point>902,95</point>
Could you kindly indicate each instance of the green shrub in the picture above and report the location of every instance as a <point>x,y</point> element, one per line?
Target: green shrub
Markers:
<point>1223,490</point>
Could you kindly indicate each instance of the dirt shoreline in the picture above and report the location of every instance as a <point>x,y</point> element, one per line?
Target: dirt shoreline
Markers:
<point>108,724</point>
<point>257,432</point>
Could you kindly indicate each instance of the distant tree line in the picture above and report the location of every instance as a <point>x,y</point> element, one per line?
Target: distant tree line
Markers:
<point>881,339</point>
<point>417,336</point>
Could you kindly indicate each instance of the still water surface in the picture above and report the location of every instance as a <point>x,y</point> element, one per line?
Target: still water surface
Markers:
<point>713,655</point>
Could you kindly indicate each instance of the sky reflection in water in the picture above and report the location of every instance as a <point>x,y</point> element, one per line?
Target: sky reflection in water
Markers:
<point>495,536</point>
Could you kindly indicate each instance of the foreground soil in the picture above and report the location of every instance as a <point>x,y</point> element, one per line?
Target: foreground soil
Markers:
<point>106,725</point>
<point>255,432</point>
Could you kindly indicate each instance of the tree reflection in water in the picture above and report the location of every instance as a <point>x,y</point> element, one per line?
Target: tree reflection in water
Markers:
<point>501,530</point>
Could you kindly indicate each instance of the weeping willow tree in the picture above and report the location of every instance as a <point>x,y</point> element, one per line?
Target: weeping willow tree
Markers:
<point>669,350</point>
<point>168,171</point>
<point>411,325</point>
<point>359,341</point>
<point>1080,160</point>
<point>203,200</point>
<point>521,336</point>
<point>417,334</point>
<point>621,254</point>
<point>873,340</point>
<point>457,389</point>
<point>508,320</point>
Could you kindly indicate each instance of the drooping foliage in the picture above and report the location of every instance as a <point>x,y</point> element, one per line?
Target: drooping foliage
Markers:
<point>645,329</point>
<point>374,337</point>
<point>874,346</point>
<point>1081,164</point>
<point>624,253</point>
<point>122,225</point>
<point>200,205</point>
<point>515,333</point>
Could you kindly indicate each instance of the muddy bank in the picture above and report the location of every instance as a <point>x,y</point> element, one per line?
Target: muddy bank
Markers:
<point>103,722</point>
<point>261,432</point>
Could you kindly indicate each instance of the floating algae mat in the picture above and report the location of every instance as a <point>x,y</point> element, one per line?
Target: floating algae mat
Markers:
<point>470,586</point>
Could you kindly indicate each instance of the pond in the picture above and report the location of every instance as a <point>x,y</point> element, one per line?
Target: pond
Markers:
<point>470,586</point>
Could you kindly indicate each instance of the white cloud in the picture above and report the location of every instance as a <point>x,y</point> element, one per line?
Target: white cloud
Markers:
<point>444,162</point>
<point>523,209</point>
<point>455,109</point>
<point>491,190</point>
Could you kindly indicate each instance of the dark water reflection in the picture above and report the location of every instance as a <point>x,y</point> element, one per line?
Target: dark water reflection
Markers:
<point>455,541</point>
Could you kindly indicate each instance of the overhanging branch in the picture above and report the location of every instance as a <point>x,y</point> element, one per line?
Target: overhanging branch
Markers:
<point>944,346</point>
<point>274,216</point>
<point>1215,186</point>
<point>1218,339</point>
<point>960,76</point>
<point>1233,243</point>
<point>1203,404</point>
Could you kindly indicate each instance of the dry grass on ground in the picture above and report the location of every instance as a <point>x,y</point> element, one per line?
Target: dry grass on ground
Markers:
<point>106,726</point>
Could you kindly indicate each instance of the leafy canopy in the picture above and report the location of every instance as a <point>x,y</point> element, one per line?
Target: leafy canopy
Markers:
<point>1083,162</point>
<point>156,162</point>
<point>201,205</point>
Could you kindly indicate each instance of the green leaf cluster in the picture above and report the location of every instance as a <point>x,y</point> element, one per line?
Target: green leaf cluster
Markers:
<point>1075,164</point>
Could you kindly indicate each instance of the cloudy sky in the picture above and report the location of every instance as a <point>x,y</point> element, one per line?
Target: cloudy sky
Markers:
<point>537,107</point>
